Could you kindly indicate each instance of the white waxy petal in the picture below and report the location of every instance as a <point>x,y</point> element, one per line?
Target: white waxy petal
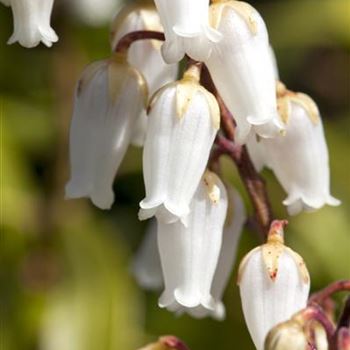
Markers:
<point>236,217</point>
<point>274,63</point>
<point>32,23</point>
<point>183,122</point>
<point>109,98</point>
<point>241,68</point>
<point>186,29</point>
<point>189,255</point>
<point>274,285</point>
<point>299,159</point>
<point>146,266</point>
<point>144,55</point>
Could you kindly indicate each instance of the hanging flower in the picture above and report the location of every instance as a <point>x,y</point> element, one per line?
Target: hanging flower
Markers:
<point>235,220</point>
<point>299,159</point>
<point>186,29</point>
<point>109,98</point>
<point>289,335</point>
<point>274,284</point>
<point>32,22</point>
<point>303,331</point>
<point>241,68</point>
<point>183,121</point>
<point>144,55</point>
<point>146,266</point>
<point>189,255</point>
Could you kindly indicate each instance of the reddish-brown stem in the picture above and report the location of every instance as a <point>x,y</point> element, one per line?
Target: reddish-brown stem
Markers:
<point>344,319</point>
<point>314,312</point>
<point>327,292</point>
<point>253,182</point>
<point>125,42</point>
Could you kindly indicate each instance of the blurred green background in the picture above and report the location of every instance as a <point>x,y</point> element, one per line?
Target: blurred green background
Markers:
<point>65,265</point>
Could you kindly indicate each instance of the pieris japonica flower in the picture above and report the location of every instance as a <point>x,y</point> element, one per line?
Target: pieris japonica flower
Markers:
<point>299,159</point>
<point>186,29</point>
<point>109,97</point>
<point>144,55</point>
<point>235,220</point>
<point>189,255</point>
<point>183,121</point>
<point>301,332</point>
<point>146,266</point>
<point>274,284</point>
<point>168,342</point>
<point>236,217</point>
<point>31,20</point>
<point>241,68</point>
<point>288,335</point>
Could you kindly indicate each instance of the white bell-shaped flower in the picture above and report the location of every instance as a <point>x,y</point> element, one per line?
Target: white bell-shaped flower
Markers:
<point>189,255</point>
<point>186,29</point>
<point>144,55</point>
<point>32,23</point>
<point>146,265</point>
<point>274,284</point>
<point>235,220</point>
<point>299,159</point>
<point>109,98</point>
<point>183,121</point>
<point>242,70</point>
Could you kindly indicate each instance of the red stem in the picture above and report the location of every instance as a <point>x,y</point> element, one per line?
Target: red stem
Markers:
<point>314,312</point>
<point>125,42</point>
<point>253,182</point>
<point>325,293</point>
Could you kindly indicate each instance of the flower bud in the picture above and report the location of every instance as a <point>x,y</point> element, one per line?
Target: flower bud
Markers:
<point>274,284</point>
<point>186,29</point>
<point>183,121</point>
<point>343,339</point>
<point>299,159</point>
<point>31,20</point>
<point>289,335</point>
<point>146,266</point>
<point>241,68</point>
<point>189,255</point>
<point>144,55</point>
<point>109,97</point>
<point>168,342</point>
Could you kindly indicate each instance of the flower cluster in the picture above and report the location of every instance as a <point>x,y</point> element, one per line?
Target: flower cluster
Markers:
<point>135,97</point>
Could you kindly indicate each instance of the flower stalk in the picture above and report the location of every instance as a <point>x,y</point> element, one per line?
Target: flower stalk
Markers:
<point>324,294</point>
<point>126,41</point>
